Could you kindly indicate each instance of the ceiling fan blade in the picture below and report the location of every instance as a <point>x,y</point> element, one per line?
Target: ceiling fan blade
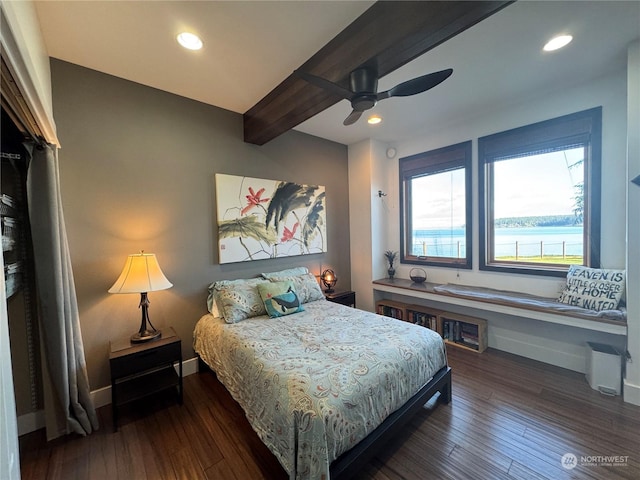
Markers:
<point>324,84</point>
<point>417,85</point>
<point>352,118</point>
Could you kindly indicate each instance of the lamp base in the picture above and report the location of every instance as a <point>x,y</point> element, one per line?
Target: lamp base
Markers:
<point>145,336</point>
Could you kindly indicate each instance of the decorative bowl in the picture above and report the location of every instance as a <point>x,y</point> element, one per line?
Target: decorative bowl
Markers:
<point>417,275</point>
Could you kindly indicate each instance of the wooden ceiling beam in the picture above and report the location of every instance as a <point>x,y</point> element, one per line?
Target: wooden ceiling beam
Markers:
<point>388,35</point>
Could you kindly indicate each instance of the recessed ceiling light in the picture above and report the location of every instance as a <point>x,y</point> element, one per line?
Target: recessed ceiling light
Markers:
<point>190,41</point>
<point>557,42</point>
<point>374,119</point>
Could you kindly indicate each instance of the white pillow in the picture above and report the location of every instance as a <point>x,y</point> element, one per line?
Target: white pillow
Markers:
<point>212,305</point>
<point>593,288</point>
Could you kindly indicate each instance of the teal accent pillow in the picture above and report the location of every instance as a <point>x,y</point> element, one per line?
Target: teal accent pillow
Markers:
<point>279,298</point>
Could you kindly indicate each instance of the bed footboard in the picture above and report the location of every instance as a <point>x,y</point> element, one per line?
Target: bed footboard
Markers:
<point>352,461</point>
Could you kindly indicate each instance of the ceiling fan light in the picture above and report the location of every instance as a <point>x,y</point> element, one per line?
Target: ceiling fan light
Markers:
<point>557,42</point>
<point>374,119</point>
<point>189,41</point>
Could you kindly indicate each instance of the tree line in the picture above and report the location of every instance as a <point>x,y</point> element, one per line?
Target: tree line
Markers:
<point>539,221</point>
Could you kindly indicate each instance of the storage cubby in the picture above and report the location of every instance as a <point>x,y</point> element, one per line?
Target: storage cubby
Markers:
<point>391,308</point>
<point>459,330</point>
<point>423,316</point>
<point>464,331</point>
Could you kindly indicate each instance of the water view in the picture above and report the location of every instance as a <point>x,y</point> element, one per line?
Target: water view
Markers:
<point>510,242</point>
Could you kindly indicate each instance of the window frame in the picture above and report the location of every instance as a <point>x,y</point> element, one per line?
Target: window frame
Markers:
<point>583,127</point>
<point>431,162</point>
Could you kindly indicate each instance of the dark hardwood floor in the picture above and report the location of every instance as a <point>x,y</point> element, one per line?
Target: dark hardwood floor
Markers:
<point>510,418</point>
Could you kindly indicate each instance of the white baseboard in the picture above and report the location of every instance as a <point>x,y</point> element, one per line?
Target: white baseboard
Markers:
<point>189,367</point>
<point>631,392</point>
<point>101,396</point>
<point>30,422</point>
<point>564,358</point>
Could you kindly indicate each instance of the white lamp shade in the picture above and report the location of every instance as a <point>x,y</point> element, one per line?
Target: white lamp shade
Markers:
<point>141,273</point>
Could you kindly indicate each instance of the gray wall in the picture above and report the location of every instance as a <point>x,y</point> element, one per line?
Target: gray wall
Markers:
<point>137,170</point>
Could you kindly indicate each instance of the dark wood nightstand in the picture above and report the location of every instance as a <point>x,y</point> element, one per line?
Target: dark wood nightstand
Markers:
<point>142,369</point>
<point>347,298</point>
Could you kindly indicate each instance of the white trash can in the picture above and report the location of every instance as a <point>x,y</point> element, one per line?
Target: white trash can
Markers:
<point>604,368</point>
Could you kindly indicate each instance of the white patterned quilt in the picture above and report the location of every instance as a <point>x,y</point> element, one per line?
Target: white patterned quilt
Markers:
<point>315,383</point>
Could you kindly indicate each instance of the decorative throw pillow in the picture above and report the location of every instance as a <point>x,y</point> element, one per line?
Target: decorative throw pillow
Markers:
<point>239,299</point>
<point>593,288</point>
<point>306,286</point>
<point>279,298</point>
<point>289,272</point>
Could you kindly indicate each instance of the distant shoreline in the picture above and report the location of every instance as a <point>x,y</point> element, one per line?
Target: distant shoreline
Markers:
<point>543,221</point>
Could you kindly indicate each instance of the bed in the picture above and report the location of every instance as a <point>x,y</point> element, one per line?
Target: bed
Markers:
<point>323,386</point>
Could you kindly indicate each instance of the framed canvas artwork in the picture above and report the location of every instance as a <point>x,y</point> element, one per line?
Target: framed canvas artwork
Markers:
<point>259,219</point>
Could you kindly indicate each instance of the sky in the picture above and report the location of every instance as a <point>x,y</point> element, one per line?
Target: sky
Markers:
<point>438,200</point>
<point>540,185</point>
<point>533,186</point>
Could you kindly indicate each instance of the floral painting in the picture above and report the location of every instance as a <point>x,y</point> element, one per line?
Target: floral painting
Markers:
<point>260,219</point>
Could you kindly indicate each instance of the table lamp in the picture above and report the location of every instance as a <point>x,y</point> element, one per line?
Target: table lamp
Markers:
<point>329,280</point>
<point>142,274</point>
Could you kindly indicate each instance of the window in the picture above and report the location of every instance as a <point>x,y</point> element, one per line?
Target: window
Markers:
<point>435,203</point>
<point>539,189</point>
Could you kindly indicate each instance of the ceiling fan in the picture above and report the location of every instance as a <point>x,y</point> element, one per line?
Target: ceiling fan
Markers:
<point>363,82</point>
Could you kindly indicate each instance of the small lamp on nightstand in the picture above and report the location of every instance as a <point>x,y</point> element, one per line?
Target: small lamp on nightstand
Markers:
<point>142,274</point>
<point>329,280</point>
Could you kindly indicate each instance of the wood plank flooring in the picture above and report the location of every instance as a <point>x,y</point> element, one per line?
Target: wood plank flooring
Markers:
<point>510,418</point>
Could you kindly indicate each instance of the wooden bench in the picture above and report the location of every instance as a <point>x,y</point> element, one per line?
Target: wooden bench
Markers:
<point>510,303</point>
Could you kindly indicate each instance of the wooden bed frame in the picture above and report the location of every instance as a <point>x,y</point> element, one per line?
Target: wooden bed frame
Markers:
<point>353,460</point>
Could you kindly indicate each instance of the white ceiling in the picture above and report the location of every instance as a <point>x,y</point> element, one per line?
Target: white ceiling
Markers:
<point>250,47</point>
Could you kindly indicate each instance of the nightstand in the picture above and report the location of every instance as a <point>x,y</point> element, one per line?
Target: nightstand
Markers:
<point>142,369</point>
<point>347,298</point>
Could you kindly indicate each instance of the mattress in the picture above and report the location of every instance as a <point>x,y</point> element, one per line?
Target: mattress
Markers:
<point>315,383</point>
